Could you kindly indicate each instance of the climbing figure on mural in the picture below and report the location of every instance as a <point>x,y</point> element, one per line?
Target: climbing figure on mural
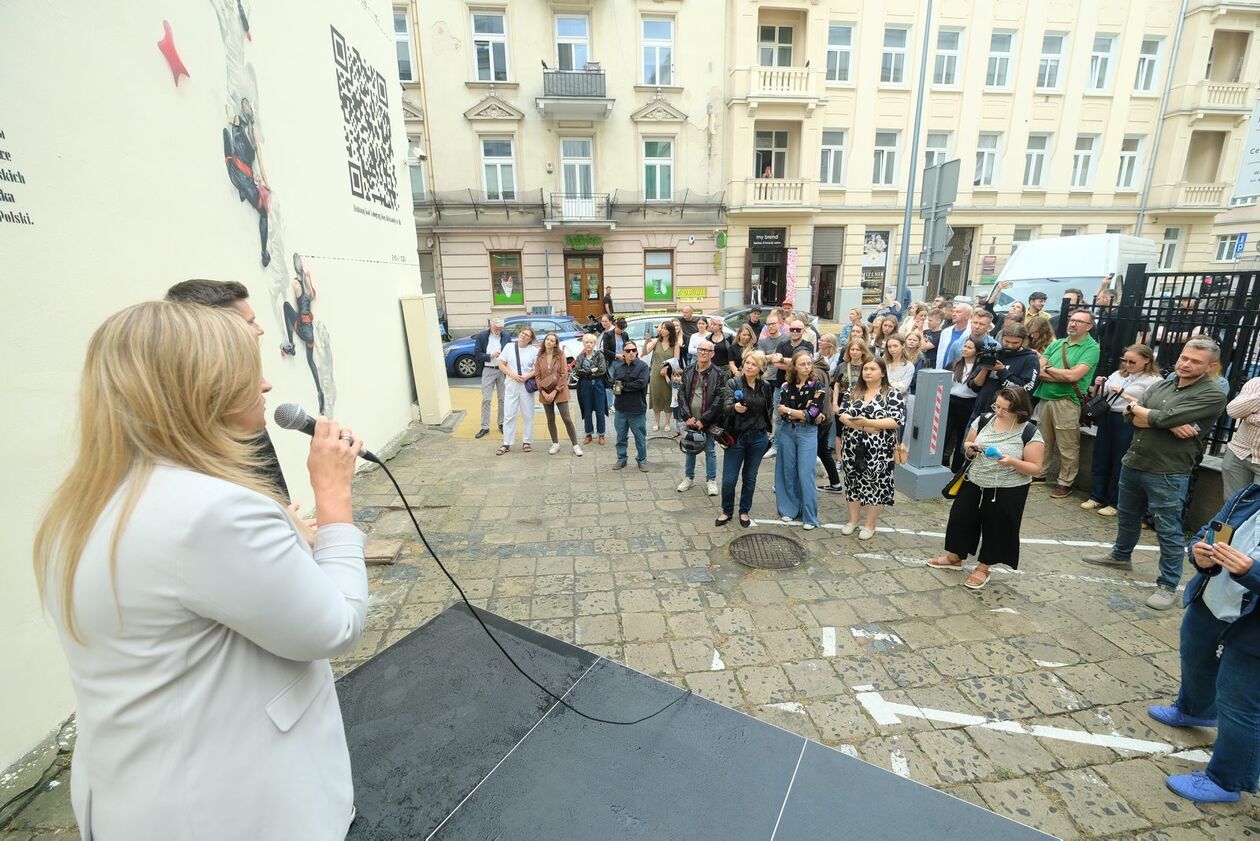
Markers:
<point>245,169</point>
<point>299,319</point>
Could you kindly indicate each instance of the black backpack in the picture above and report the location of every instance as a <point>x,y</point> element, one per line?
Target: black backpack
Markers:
<point>1030,428</point>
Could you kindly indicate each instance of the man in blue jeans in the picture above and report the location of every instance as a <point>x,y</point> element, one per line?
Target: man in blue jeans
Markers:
<point>699,406</point>
<point>1171,423</point>
<point>630,385</point>
<point>1220,653</point>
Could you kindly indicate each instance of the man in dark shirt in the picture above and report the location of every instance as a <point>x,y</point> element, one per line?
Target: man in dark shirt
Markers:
<point>754,321</point>
<point>630,385</point>
<point>721,345</point>
<point>788,347</point>
<point>230,295</point>
<point>608,303</point>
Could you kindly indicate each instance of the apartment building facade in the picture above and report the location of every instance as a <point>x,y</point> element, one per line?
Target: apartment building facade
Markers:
<point>566,149</point>
<point>1067,118</point>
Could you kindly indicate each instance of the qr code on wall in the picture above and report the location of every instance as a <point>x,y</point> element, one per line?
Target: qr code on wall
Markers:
<point>365,113</point>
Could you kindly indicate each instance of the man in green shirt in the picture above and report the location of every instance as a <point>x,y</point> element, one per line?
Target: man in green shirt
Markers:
<point>1065,364</point>
<point>1171,422</point>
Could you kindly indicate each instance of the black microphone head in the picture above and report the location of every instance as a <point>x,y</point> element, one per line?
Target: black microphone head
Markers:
<point>292,416</point>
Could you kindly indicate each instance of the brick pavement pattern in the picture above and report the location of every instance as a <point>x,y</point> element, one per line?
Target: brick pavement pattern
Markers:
<point>622,564</point>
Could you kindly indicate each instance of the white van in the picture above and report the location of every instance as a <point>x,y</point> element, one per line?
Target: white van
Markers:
<point>1081,262</point>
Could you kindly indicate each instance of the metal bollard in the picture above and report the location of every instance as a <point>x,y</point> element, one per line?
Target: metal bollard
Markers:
<point>923,476</point>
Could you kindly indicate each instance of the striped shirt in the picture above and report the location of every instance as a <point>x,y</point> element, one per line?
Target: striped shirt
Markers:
<point>1245,408</point>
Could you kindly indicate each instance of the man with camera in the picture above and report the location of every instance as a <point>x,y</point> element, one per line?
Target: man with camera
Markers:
<point>1066,363</point>
<point>1008,364</point>
<point>630,385</point>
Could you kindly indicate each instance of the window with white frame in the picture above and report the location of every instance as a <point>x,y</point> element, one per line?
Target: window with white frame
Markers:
<point>1148,65</point>
<point>936,148</point>
<point>771,153</point>
<point>948,45</point>
<point>1100,63</point>
<point>998,73</point>
<point>839,52</point>
<point>892,68</point>
<point>1169,249</point>
<point>658,169</point>
<point>986,159</point>
<point>884,171</point>
<point>1243,201</point>
<point>1114,230</point>
<point>1226,245</point>
<point>1083,160</point>
<point>1126,176</point>
<point>1022,236</point>
<point>498,168</point>
<point>1052,44</point>
<point>774,46</point>
<point>577,166</point>
<point>1069,232</point>
<point>1035,160</point>
<point>658,51</point>
<point>573,41</point>
<point>402,43</point>
<point>831,169</point>
<point>490,46</point>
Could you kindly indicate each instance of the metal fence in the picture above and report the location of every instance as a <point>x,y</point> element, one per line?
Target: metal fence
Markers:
<point>1167,309</point>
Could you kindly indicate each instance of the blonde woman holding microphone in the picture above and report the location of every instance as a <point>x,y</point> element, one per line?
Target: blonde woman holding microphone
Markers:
<point>196,614</point>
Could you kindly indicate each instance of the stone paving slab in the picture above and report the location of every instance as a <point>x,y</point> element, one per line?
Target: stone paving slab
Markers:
<point>623,565</point>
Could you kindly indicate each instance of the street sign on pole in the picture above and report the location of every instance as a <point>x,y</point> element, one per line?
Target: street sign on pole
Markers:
<point>1241,246</point>
<point>940,185</point>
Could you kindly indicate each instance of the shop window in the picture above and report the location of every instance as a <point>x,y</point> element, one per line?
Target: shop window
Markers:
<point>506,284</point>
<point>658,276</point>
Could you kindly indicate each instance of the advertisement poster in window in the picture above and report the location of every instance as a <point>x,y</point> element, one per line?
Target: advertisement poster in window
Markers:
<point>874,266</point>
<point>658,277</point>
<point>505,280</point>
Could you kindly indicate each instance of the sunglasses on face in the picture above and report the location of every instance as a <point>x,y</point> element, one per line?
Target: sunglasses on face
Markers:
<point>795,330</point>
<point>630,350</point>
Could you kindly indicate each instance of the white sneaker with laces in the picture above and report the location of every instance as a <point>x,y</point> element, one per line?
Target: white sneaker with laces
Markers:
<point>685,485</point>
<point>555,448</point>
<point>577,449</point>
<point>712,487</point>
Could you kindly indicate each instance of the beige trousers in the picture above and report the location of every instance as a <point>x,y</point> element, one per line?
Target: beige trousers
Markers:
<point>1061,428</point>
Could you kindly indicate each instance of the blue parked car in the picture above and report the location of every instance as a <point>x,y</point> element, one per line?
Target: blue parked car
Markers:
<point>460,361</point>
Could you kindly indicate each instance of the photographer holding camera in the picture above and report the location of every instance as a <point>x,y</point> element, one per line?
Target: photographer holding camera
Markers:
<point>1009,364</point>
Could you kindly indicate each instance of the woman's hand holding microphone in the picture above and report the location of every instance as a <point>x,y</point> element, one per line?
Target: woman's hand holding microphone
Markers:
<point>334,451</point>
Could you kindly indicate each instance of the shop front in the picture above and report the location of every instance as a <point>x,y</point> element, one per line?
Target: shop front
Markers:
<point>765,269</point>
<point>584,275</point>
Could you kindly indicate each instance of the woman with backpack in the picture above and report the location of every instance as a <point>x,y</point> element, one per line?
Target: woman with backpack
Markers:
<point>1005,448</point>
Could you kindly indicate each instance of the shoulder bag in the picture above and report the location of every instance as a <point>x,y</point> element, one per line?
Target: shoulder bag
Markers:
<point>1086,420</point>
<point>531,383</point>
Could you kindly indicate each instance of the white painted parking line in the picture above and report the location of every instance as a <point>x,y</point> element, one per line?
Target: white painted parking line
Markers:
<point>900,765</point>
<point>829,642</point>
<point>887,713</point>
<point>1064,576</point>
<point>1033,541</point>
<point>717,665</point>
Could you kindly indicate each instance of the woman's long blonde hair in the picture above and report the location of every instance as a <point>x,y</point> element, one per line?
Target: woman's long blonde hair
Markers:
<point>160,382</point>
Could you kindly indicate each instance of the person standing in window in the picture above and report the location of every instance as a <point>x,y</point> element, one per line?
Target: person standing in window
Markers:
<point>591,369</point>
<point>871,412</point>
<point>800,411</point>
<point>517,363</point>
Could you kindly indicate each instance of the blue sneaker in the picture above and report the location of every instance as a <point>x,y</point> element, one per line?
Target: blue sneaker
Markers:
<point>1174,717</point>
<point>1197,787</point>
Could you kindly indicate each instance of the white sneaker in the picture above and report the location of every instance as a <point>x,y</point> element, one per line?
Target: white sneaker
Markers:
<point>555,448</point>
<point>865,534</point>
<point>712,488</point>
<point>809,526</point>
<point>786,519</point>
<point>577,449</point>
<point>685,485</point>
<point>847,529</point>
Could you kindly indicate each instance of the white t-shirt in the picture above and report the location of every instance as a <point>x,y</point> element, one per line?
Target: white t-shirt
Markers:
<point>900,376</point>
<point>494,343</point>
<point>528,356</point>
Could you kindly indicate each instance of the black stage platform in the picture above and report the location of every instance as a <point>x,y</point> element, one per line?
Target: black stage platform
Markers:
<point>448,741</point>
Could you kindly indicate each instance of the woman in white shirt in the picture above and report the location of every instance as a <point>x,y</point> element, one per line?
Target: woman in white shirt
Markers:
<point>195,614</point>
<point>517,362</point>
<point>1126,386</point>
<point>900,368</point>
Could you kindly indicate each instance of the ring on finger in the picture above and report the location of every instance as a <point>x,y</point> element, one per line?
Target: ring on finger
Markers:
<point>346,436</point>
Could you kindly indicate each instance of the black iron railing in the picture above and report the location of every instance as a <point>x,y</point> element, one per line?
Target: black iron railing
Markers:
<point>576,83</point>
<point>578,207</point>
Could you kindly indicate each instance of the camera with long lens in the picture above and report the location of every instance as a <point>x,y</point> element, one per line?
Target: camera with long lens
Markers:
<point>987,356</point>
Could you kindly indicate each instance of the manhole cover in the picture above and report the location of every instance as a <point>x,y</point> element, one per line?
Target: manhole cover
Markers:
<point>767,551</point>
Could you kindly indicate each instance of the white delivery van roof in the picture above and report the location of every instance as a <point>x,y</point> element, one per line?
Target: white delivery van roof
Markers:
<point>1088,256</point>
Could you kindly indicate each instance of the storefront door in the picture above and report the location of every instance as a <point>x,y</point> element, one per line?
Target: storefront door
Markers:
<point>825,292</point>
<point>584,285</point>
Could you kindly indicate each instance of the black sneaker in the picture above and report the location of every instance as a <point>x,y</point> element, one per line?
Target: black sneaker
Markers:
<point>832,489</point>
<point>482,433</point>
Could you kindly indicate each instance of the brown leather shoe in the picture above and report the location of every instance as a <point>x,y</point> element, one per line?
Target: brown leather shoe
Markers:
<point>586,440</point>
<point>1060,491</point>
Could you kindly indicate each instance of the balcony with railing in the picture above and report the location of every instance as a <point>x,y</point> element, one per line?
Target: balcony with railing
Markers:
<point>1208,97</point>
<point>1202,195</point>
<point>575,94</point>
<point>776,193</point>
<point>578,209</point>
<point>760,86</point>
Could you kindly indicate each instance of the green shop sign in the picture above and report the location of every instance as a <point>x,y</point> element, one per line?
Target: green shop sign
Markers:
<point>583,242</point>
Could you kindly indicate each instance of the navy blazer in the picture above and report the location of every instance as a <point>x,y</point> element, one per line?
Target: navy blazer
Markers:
<point>483,339</point>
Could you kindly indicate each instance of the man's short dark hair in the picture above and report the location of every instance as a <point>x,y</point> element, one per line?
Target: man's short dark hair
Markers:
<point>1014,329</point>
<point>1038,296</point>
<point>209,293</point>
<point>756,310</point>
<point>1078,293</point>
<point>621,322</point>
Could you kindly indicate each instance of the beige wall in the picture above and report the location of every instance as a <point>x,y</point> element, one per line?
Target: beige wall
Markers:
<point>127,191</point>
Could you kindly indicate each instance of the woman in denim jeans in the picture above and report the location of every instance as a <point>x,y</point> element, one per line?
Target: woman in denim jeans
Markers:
<point>1137,373</point>
<point>590,368</point>
<point>1220,653</point>
<point>747,401</point>
<point>796,439</point>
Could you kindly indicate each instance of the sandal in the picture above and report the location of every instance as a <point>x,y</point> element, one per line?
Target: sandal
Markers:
<point>527,448</point>
<point>974,582</point>
<point>944,563</point>
<point>502,450</point>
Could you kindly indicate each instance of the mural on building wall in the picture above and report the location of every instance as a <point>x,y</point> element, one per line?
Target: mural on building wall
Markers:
<point>242,151</point>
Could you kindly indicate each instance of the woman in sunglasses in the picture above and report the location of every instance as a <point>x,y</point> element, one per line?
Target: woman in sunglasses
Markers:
<point>1125,386</point>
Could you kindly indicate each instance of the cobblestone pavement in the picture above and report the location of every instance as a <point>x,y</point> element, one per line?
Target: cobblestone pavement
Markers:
<point>623,565</point>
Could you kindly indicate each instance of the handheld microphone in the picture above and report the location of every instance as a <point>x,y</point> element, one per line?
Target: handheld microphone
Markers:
<point>292,416</point>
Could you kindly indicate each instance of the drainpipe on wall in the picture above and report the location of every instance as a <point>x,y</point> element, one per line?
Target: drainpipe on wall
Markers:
<point>1159,126</point>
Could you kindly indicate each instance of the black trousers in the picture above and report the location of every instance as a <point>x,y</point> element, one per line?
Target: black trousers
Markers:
<point>987,518</point>
<point>827,455</point>
<point>956,431</point>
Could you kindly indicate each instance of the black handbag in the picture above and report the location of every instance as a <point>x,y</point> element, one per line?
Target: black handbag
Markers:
<point>1096,408</point>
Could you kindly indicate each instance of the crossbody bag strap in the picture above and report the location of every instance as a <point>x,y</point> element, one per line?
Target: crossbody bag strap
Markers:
<point>1080,398</point>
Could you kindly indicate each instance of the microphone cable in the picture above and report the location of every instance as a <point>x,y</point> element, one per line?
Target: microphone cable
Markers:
<point>497,644</point>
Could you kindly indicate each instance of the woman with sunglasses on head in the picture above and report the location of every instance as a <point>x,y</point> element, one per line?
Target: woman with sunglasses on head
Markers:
<point>1113,436</point>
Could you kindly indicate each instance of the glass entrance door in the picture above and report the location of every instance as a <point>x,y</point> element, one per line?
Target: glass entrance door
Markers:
<point>584,285</point>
